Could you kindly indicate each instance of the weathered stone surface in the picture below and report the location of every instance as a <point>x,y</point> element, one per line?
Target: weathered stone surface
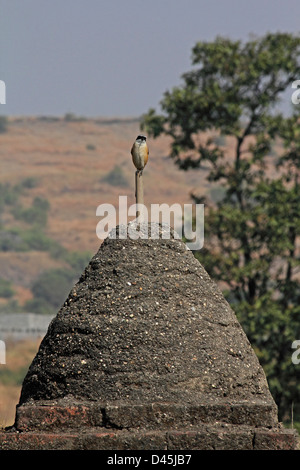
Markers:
<point>146,354</point>
<point>145,323</point>
<point>53,416</point>
<point>205,437</point>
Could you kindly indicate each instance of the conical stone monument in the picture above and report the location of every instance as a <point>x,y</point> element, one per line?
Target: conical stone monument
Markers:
<point>146,353</point>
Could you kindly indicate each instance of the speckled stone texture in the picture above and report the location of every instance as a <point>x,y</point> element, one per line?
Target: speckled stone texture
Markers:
<point>146,352</point>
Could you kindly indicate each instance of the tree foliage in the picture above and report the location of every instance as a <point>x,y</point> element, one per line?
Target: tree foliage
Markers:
<point>51,289</point>
<point>252,231</point>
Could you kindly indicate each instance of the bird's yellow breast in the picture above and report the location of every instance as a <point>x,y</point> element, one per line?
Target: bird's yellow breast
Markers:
<point>140,155</point>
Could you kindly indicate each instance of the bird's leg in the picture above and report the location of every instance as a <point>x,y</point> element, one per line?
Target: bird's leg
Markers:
<point>136,174</point>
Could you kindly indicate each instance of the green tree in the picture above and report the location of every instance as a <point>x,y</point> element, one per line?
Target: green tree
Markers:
<point>3,124</point>
<point>78,260</point>
<point>6,290</point>
<point>116,177</point>
<point>36,215</point>
<point>252,232</point>
<point>50,290</point>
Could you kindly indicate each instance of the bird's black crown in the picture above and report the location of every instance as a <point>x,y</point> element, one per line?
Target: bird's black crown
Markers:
<point>141,137</point>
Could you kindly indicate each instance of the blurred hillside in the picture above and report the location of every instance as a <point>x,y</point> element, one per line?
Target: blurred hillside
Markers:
<point>54,174</point>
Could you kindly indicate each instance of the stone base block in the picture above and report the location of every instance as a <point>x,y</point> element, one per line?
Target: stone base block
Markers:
<point>206,437</point>
<point>51,416</point>
<point>244,425</point>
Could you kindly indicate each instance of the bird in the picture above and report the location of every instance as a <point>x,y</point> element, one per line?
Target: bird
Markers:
<point>140,153</point>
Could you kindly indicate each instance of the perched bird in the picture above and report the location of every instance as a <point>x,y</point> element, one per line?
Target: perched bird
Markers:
<point>140,153</point>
